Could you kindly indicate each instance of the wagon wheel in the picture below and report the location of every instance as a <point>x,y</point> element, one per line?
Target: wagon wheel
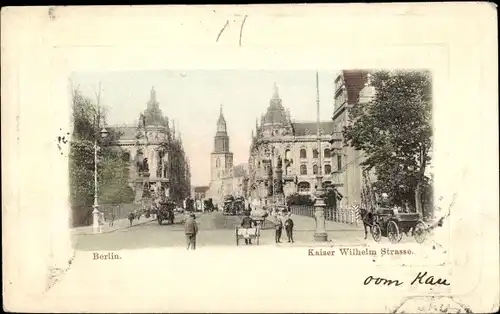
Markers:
<point>393,232</point>
<point>419,232</point>
<point>376,232</point>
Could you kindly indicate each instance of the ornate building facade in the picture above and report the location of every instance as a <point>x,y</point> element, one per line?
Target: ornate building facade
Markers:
<point>158,161</point>
<point>288,149</point>
<point>225,178</point>
<point>351,87</point>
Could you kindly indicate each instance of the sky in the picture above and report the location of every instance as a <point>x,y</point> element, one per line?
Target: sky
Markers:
<point>193,98</point>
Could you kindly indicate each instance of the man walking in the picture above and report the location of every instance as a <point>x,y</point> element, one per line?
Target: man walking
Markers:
<point>131,217</point>
<point>191,229</point>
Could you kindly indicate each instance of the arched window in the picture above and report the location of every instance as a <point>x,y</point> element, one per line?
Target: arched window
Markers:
<point>303,153</point>
<point>328,169</point>
<point>288,170</point>
<point>339,162</point>
<point>304,186</point>
<point>327,153</point>
<point>288,154</point>
<point>315,153</point>
<point>315,169</point>
<point>303,169</point>
<point>126,157</point>
<point>217,163</point>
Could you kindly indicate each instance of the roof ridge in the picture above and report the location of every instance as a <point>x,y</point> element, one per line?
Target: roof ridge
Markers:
<point>308,121</point>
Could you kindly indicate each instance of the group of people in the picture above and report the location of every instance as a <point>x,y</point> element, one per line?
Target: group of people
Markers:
<point>284,220</point>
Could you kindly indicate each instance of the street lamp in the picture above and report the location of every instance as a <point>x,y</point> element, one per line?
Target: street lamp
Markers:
<point>320,234</point>
<point>95,213</point>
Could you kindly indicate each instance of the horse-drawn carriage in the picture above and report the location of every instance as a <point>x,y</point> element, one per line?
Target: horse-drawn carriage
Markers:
<point>234,206</point>
<point>392,224</point>
<point>165,211</point>
<point>208,205</point>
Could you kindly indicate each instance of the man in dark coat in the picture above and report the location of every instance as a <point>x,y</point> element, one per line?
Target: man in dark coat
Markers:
<point>289,227</point>
<point>191,230</point>
<point>278,224</point>
<point>247,223</point>
<point>131,217</point>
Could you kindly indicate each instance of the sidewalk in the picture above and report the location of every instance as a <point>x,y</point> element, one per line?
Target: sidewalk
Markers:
<point>305,223</point>
<point>117,224</point>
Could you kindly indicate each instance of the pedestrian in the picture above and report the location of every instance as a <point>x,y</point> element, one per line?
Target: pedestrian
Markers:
<point>191,230</point>
<point>279,227</point>
<point>246,224</point>
<point>131,217</point>
<point>289,227</point>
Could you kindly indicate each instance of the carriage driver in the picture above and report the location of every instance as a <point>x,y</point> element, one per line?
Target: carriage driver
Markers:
<point>247,223</point>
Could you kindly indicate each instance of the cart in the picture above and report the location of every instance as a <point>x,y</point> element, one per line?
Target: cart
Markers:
<point>166,212</point>
<point>239,205</point>
<point>228,206</point>
<point>391,224</point>
<point>250,233</point>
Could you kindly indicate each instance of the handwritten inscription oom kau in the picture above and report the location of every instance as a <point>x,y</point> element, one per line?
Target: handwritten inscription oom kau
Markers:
<point>420,279</point>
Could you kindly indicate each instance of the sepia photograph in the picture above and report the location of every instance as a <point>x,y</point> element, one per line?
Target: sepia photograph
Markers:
<point>250,158</point>
<point>287,158</point>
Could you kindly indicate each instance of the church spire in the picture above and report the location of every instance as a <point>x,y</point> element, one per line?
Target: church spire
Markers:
<point>221,122</point>
<point>275,93</point>
<point>153,94</point>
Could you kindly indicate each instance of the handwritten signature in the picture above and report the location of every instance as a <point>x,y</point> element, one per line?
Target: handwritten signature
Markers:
<point>420,279</point>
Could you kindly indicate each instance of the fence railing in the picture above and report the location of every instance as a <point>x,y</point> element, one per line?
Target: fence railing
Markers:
<point>341,215</point>
<point>83,216</point>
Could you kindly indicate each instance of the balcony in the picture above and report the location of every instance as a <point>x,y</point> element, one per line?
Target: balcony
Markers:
<point>336,137</point>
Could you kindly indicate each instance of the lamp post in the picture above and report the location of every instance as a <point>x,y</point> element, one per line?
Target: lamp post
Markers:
<point>320,234</point>
<point>95,213</point>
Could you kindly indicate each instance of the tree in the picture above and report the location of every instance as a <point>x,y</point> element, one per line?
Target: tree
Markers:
<point>394,131</point>
<point>112,168</point>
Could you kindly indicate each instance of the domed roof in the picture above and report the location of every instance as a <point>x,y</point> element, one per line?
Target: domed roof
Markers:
<point>153,114</point>
<point>276,113</point>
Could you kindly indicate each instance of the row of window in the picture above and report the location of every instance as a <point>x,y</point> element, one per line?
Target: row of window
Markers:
<point>306,186</point>
<point>328,168</point>
<point>218,164</point>
<point>327,153</point>
<point>303,169</point>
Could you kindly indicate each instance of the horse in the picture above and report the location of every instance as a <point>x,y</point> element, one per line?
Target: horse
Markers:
<point>367,219</point>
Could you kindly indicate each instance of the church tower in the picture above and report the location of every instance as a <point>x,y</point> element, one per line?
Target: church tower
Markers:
<point>221,160</point>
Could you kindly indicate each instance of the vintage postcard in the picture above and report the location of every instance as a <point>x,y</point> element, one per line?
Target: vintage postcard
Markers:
<point>282,158</point>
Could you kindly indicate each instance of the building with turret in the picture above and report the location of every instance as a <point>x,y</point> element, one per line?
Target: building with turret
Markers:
<point>225,178</point>
<point>158,162</point>
<point>351,87</point>
<point>287,148</point>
